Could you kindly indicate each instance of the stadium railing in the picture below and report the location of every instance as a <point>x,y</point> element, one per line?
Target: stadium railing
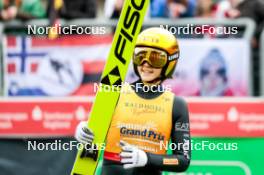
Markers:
<point>245,24</point>
<point>246,28</point>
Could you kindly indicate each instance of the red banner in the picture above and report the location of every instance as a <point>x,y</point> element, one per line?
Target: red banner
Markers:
<point>47,118</point>
<point>214,117</point>
<point>227,118</point>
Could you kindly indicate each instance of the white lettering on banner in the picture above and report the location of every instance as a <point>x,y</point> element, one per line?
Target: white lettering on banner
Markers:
<point>58,116</point>
<point>53,125</point>
<point>251,126</point>
<point>14,116</point>
<point>201,121</point>
<point>217,117</point>
<point>251,122</point>
<point>6,125</point>
<point>251,117</point>
<point>200,125</point>
<point>244,118</point>
<point>246,121</point>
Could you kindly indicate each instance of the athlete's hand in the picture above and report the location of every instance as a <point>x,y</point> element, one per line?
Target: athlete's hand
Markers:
<point>83,134</point>
<point>131,156</point>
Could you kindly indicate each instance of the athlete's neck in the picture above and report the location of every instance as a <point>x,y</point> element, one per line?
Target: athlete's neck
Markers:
<point>153,90</point>
<point>152,83</point>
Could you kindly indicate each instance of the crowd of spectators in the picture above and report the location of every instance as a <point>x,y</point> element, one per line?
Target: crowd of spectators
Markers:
<point>69,9</point>
<point>171,9</point>
<point>21,9</point>
<point>28,9</point>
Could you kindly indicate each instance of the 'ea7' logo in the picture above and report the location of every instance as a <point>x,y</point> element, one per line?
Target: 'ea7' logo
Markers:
<point>131,20</point>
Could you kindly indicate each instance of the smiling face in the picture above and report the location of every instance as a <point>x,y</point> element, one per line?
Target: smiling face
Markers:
<point>147,73</point>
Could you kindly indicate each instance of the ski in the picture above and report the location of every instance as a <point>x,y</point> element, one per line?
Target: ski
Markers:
<point>128,27</point>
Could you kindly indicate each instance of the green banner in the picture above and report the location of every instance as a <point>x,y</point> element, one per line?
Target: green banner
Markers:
<point>242,156</point>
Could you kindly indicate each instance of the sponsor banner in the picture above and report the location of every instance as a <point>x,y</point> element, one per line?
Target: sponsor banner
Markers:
<point>227,118</point>
<point>66,66</point>
<point>41,118</point>
<point>214,117</point>
<point>70,65</point>
<point>210,68</point>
